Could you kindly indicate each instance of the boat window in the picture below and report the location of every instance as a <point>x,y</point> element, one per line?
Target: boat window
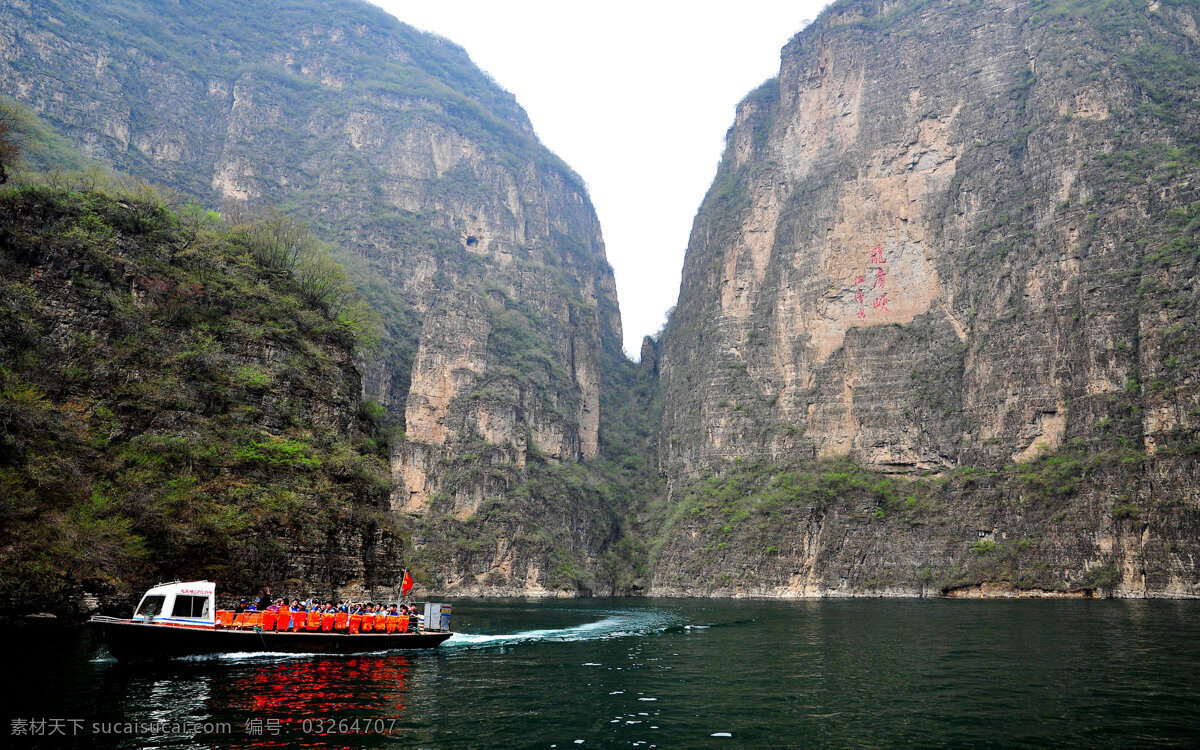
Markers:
<point>190,606</point>
<point>151,606</point>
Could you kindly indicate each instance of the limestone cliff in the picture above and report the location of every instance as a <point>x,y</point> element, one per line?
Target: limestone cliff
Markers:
<point>479,248</point>
<point>953,235</point>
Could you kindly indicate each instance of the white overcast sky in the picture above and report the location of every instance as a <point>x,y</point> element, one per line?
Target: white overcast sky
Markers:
<point>636,97</point>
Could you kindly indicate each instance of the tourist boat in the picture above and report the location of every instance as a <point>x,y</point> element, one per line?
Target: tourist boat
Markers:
<point>195,626</point>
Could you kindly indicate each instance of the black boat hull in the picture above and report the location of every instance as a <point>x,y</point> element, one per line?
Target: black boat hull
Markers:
<point>128,640</point>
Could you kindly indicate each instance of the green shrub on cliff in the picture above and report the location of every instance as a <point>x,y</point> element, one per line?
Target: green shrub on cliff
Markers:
<point>171,404</point>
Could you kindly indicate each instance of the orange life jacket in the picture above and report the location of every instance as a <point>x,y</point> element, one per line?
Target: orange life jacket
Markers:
<point>355,623</point>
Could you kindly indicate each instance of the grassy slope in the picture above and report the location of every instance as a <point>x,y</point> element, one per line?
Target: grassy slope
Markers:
<point>170,406</point>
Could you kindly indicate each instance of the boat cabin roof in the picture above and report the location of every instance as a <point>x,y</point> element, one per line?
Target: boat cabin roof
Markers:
<point>179,602</point>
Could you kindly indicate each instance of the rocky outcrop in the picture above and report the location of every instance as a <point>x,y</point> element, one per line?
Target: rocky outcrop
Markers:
<point>949,235</point>
<point>478,247</point>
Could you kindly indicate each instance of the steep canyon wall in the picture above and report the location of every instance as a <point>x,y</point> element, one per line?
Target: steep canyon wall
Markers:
<point>479,248</point>
<point>950,236</point>
<point>935,332</point>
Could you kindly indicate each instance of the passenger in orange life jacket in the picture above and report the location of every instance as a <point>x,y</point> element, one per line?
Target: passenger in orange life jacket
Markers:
<point>392,612</point>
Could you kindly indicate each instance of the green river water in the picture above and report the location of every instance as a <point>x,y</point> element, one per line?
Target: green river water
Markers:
<point>641,673</point>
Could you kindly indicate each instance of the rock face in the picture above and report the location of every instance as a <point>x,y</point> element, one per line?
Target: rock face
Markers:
<point>950,235</point>
<point>936,329</point>
<point>478,247</point>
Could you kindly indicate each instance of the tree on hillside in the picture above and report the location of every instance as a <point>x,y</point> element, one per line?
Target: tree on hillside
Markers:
<point>9,150</point>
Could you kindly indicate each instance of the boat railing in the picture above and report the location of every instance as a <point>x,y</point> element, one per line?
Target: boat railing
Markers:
<point>309,622</point>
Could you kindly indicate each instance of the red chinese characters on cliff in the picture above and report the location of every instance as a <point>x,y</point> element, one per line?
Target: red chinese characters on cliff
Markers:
<point>878,268</point>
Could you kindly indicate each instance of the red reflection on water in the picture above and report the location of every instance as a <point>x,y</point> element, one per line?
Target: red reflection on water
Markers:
<point>295,701</point>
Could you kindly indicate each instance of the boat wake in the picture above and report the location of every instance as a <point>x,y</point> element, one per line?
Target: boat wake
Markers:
<point>617,626</point>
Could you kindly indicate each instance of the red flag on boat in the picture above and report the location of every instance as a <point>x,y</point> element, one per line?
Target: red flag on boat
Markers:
<point>407,585</point>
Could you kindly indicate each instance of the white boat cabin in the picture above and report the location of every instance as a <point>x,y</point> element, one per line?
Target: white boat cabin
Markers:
<point>179,603</point>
